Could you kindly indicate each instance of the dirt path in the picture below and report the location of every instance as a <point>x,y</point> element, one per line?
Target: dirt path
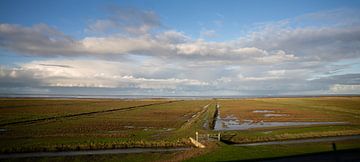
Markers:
<point>195,117</point>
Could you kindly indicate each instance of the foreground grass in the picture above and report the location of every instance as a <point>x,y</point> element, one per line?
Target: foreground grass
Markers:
<point>227,153</point>
<point>219,152</point>
<point>143,157</point>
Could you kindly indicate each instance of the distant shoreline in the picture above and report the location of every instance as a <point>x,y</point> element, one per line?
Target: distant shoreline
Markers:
<point>69,96</point>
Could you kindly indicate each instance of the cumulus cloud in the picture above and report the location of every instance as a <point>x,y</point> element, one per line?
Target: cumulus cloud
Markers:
<point>345,89</point>
<point>36,40</point>
<point>276,58</point>
<point>178,79</point>
<point>325,36</point>
<point>270,44</point>
<point>81,73</point>
<point>31,40</point>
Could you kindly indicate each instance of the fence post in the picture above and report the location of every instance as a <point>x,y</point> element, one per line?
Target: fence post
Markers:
<point>219,137</point>
<point>197,136</point>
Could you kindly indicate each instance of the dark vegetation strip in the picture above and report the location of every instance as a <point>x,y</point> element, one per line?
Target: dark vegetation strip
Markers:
<point>296,141</point>
<point>91,152</point>
<point>56,104</point>
<point>347,155</point>
<point>215,115</point>
<point>93,145</point>
<point>86,113</point>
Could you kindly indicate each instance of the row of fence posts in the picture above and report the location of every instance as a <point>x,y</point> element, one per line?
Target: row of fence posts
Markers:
<point>208,136</point>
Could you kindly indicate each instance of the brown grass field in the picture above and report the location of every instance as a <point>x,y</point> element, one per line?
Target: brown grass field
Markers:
<point>138,127</point>
<point>169,124</point>
<point>317,109</point>
<point>324,109</point>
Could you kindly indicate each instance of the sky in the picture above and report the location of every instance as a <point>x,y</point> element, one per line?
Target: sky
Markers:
<point>180,48</point>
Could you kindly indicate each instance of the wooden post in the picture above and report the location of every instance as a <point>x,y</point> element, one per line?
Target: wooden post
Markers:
<point>334,146</point>
<point>196,136</point>
<point>219,137</point>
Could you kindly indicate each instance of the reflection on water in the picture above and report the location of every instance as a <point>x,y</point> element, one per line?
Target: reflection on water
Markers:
<point>263,111</point>
<point>275,115</point>
<point>232,123</point>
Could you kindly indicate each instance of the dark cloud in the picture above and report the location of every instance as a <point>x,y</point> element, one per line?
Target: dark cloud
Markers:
<point>39,39</point>
<point>345,79</point>
<point>126,20</point>
<point>55,65</point>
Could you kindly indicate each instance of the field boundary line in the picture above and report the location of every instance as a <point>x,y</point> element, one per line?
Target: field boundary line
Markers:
<point>39,105</point>
<point>86,113</point>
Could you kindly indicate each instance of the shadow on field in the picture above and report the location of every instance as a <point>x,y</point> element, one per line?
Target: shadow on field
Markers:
<point>351,155</point>
<point>227,139</point>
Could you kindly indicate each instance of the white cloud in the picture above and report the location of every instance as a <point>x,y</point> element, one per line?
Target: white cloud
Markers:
<point>80,73</point>
<point>345,89</point>
<point>116,45</point>
<point>30,40</point>
<point>262,78</point>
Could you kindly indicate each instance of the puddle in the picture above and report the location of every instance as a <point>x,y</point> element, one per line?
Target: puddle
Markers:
<point>3,130</point>
<point>232,123</point>
<point>267,132</point>
<point>113,131</point>
<point>275,115</point>
<point>206,124</point>
<point>263,111</point>
<point>231,117</point>
<point>168,129</point>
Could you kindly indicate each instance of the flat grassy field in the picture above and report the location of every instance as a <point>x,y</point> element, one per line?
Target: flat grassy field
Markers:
<point>169,123</point>
<point>147,126</point>
<point>331,109</point>
<point>14,110</point>
<point>319,109</point>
